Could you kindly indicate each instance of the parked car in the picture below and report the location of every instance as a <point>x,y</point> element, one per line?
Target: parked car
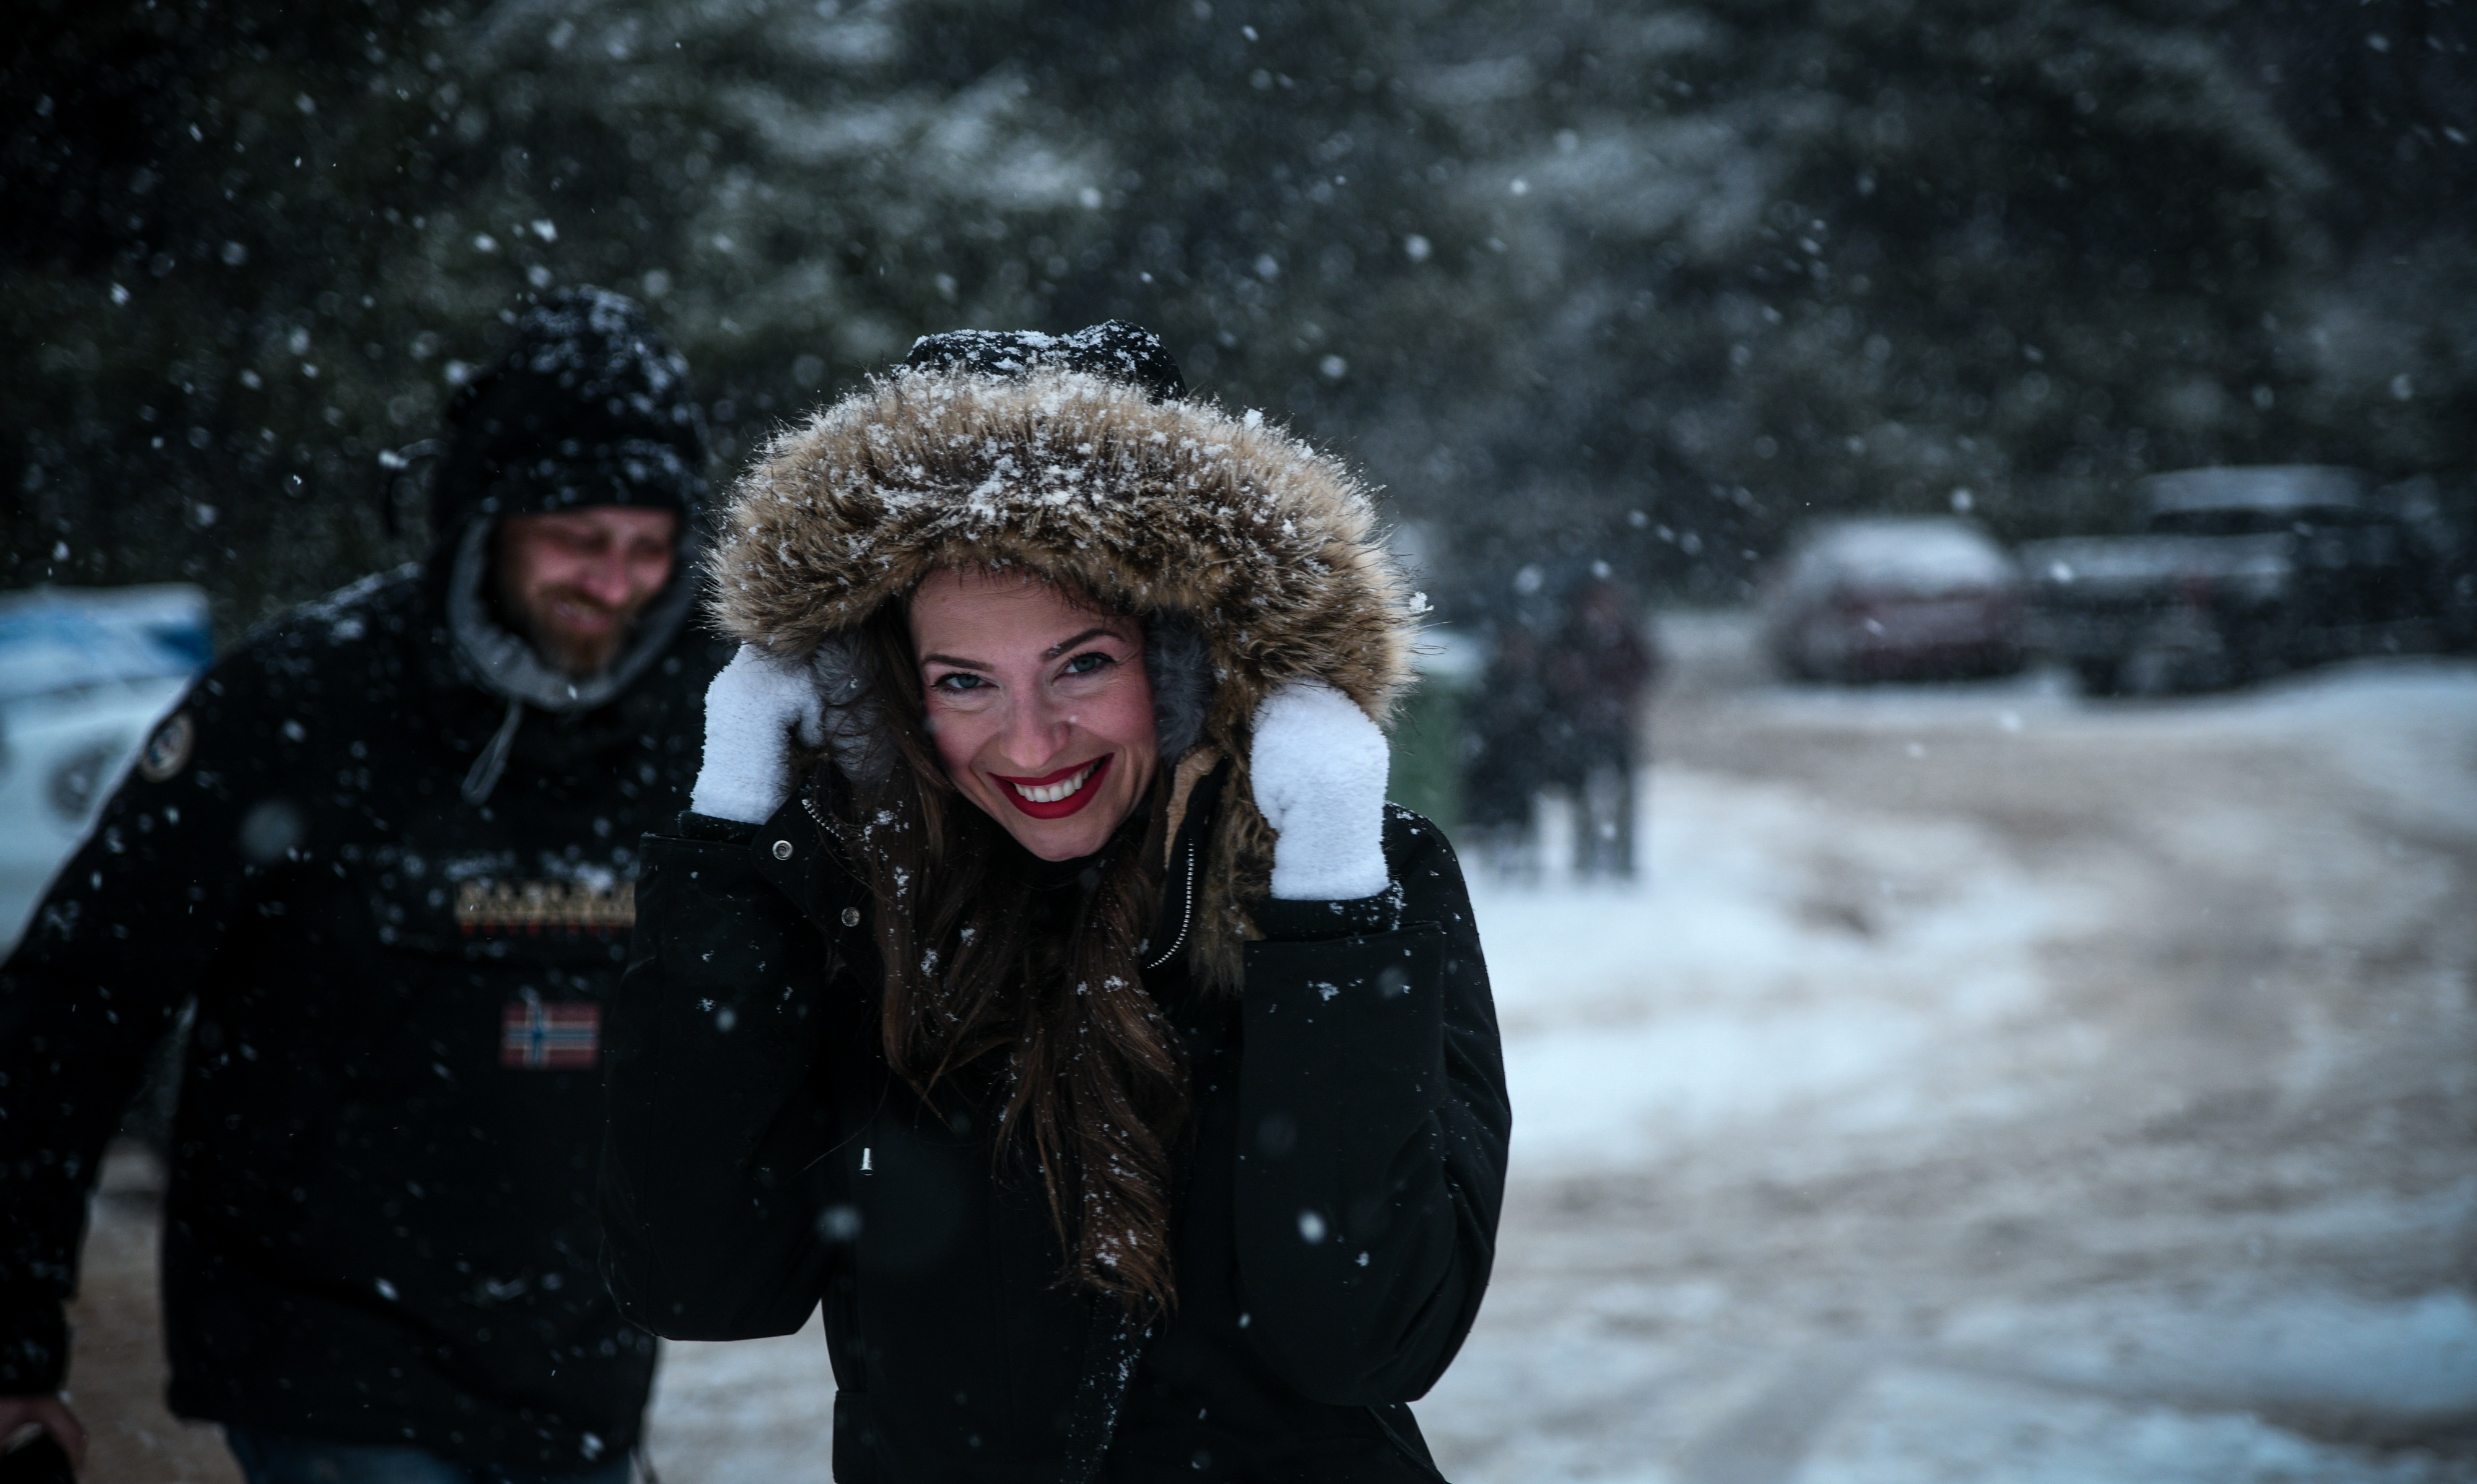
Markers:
<point>2238,573</point>
<point>85,677</point>
<point>1893,598</point>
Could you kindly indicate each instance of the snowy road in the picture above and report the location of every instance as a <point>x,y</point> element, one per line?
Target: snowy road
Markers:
<point>1984,1085</point>
<point>1993,1086</point>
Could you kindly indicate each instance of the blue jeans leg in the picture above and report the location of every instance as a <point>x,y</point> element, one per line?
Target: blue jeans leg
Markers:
<point>281,1458</point>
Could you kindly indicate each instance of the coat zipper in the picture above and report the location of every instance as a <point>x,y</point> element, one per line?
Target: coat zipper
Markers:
<point>1186,915</point>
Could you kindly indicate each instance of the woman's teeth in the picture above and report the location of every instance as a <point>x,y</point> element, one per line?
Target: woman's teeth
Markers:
<point>1051,793</point>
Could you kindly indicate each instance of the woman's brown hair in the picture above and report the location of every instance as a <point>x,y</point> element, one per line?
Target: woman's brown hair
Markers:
<point>988,968</point>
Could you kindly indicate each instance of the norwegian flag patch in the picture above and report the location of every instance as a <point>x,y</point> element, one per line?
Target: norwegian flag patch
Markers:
<point>536,1035</point>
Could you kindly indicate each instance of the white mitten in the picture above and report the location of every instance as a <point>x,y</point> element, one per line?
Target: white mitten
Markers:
<point>1319,769</point>
<point>751,711</point>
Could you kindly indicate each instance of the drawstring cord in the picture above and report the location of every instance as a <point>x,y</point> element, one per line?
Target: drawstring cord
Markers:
<point>493,761</point>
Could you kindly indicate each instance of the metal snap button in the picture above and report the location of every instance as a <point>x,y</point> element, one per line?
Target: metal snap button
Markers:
<point>782,850</point>
<point>851,917</point>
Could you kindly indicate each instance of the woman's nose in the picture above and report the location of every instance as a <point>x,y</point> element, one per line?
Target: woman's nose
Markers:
<point>1034,729</point>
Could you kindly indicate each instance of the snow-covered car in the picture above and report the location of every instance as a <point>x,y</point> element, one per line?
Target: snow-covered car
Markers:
<point>1893,598</point>
<point>86,676</point>
<point>2235,574</point>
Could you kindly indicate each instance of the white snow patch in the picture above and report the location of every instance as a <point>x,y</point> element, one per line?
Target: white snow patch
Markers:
<point>746,1411</point>
<point>2317,1348</point>
<point>1907,1426</point>
<point>1782,957</point>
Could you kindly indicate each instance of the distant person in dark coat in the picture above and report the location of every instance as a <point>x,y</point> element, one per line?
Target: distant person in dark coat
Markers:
<point>1598,672</point>
<point>387,848</point>
<point>1560,716</point>
<point>1510,757</point>
<point>1039,977</point>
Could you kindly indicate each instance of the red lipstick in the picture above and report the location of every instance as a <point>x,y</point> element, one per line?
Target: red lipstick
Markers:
<point>1091,772</point>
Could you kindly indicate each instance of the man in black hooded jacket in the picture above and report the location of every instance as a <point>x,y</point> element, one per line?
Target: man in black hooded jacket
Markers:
<point>387,849</point>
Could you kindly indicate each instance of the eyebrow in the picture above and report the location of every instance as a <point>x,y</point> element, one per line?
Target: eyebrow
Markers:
<point>1097,632</point>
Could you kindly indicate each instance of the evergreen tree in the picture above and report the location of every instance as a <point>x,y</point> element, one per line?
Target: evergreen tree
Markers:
<point>1616,280</point>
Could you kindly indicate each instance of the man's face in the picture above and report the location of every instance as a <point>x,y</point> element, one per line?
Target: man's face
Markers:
<point>573,581</point>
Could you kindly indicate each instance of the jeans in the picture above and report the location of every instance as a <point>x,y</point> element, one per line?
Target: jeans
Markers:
<point>278,1458</point>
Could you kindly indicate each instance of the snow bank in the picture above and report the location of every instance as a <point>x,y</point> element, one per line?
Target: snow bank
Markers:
<point>1782,957</point>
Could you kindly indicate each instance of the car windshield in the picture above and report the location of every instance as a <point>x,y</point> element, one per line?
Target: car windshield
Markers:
<point>1922,557</point>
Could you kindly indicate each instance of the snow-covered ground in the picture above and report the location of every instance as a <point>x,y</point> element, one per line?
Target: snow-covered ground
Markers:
<point>1988,1085</point>
<point>1785,961</point>
<point>1981,1084</point>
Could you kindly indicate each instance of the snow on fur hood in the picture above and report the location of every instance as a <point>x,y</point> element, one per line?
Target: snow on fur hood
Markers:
<point>1169,506</point>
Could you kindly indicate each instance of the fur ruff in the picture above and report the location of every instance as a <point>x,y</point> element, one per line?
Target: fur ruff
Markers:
<point>1170,508</point>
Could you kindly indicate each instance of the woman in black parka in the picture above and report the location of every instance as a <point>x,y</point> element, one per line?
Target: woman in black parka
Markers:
<point>1039,977</point>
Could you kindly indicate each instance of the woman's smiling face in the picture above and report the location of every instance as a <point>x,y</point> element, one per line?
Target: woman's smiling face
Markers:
<point>1040,708</point>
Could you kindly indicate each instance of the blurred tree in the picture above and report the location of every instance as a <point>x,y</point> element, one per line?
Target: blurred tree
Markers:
<point>254,247</point>
<point>1820,253</point>
<point>2385,93</point>
<point>1614,280</point>
<point>190,304</point>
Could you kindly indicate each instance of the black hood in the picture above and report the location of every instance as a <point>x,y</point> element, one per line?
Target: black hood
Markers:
<point>589,406</point>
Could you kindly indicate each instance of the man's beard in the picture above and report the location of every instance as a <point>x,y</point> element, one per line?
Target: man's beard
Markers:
<point>582,655</point>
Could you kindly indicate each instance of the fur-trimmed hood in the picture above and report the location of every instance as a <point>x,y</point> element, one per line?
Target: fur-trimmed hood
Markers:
<point>1162,508</point>
<point>1270,546</point>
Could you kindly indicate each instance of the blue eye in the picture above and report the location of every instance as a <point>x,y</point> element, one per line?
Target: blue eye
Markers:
<point>958,681</point>
<point>1087,663</point>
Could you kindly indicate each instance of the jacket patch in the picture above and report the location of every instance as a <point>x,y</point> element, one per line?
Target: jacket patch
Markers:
<point>167,751</point>
<point>495,909</point>
<point>535,1035</point>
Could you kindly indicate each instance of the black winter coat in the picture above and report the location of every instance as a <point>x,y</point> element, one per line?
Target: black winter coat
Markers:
<point>1333,1231</point>
<point>380,1225</point>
